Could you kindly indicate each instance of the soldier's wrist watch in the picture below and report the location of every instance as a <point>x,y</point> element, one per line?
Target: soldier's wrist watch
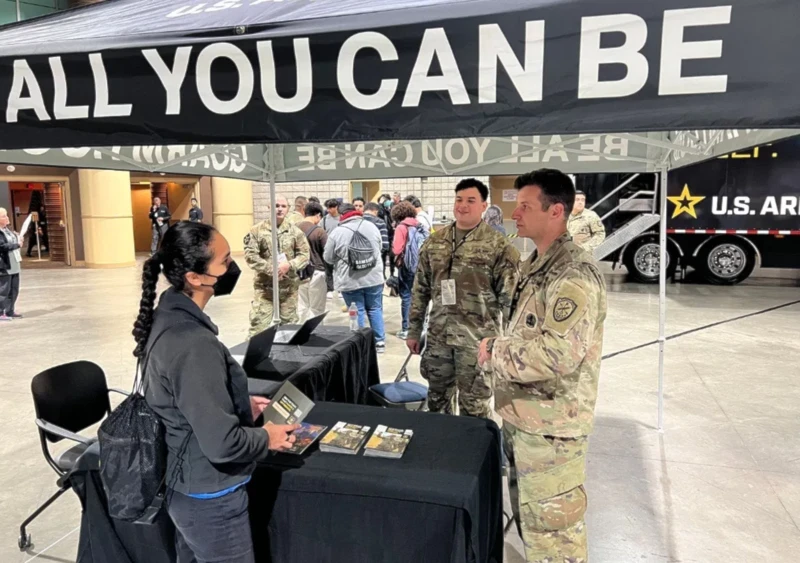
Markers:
<point>490,345</point>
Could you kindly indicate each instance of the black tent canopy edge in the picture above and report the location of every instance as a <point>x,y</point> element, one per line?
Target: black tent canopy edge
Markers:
<point>424,73</point>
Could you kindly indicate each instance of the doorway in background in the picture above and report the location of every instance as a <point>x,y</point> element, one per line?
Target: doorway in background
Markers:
<point>141,200</point>
<point>46,200</point>
<point>56,222</point>
<point>370,190</point>
<point>177,197</point>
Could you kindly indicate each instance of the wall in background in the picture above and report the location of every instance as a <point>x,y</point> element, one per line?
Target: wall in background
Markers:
<point>5,197</point>
<point>432,191</point>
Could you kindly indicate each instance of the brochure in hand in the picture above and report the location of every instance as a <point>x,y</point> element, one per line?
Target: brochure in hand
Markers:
<point>304,436</point>
<point>288,406</point>
<point>344,438</point>
<point>388,442</point>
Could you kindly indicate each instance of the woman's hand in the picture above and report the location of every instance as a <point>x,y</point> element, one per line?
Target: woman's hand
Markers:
<point>257,406</point>
<point>280,435</point>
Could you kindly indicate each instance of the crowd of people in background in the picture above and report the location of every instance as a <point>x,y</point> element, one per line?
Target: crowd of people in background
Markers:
<point>316,264</point>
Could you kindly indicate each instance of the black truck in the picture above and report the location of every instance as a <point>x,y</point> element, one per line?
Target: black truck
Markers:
<point>725,216</point>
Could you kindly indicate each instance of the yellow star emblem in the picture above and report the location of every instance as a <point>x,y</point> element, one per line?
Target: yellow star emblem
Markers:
<point>685,202</point>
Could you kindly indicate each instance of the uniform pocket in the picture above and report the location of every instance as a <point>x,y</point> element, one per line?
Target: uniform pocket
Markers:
<point>548,467</point>
<point>557,513</point>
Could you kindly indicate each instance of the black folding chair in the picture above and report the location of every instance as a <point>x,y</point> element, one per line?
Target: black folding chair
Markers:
<point>68,399</point>
<point>403,393</point>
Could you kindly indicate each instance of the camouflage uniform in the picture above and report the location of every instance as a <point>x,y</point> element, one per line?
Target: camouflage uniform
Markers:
<point>546,368</point>
<point>294,217</point>
<point>258,254</point>
<point>484,268</point>
<point>587,230</point>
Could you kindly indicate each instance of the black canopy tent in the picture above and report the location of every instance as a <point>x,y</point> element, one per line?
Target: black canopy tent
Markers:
<point>159,72</point>
<point>156,72</point>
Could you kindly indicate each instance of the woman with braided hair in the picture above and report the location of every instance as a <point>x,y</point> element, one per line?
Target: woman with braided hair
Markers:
<point>200,393</point>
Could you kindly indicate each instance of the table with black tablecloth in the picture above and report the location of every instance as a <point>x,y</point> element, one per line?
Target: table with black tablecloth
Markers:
<point>336,364</point>
<point>441,502</point>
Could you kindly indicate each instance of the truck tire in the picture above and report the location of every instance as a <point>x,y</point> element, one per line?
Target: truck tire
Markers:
<point>641,259</point>
<point>725,261</point>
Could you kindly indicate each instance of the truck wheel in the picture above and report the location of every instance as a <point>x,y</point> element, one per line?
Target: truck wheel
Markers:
<point>642,259</point>
<point>726,261</point>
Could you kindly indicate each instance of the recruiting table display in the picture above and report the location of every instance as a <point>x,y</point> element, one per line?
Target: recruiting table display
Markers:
<point>336,364</point>
<point>380,79</point>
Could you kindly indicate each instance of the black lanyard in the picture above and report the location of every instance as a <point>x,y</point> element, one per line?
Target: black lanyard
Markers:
<point>456,247</point>
<point>521,285</point>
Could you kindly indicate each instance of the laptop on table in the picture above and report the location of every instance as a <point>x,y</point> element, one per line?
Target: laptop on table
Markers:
<point>302,335</point>
<point>258,349</point>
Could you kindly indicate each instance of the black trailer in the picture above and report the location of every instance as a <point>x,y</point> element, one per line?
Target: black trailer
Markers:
<point>726,216</point>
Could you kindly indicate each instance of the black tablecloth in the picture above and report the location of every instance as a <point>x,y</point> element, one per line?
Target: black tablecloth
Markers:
<point>442,502</point>
<point>104,539</point>
<point>337,365</point>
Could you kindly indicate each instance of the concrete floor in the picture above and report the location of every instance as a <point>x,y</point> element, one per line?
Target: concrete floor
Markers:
<point>720,484</point>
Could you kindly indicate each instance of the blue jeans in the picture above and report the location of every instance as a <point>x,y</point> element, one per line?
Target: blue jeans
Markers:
<point>369,301</point>
<point>406,279</point>
<point>214,530</point>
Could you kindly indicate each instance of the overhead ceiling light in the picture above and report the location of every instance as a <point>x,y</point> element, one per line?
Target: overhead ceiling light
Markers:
<point>11,167</point>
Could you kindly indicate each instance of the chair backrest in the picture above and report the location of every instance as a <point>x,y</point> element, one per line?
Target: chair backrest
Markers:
<point>73,396</point>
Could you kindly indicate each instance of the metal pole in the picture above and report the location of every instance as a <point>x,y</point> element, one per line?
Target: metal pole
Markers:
<point>276,304</point>
<point>662,294</point>
<point>19,12</point>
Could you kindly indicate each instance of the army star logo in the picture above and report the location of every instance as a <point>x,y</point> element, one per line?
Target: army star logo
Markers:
<point>246,239</point>
<point>685,202</point>
<point>563,309</point>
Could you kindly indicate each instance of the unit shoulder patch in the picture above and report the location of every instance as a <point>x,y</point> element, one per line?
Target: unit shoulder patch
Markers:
<point>567,307</point>
<point>563,309</point>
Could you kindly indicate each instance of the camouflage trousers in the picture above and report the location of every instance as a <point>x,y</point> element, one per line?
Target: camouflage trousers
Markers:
<point>453,372</point>
<point>546,487</point>
<point>261,310</point>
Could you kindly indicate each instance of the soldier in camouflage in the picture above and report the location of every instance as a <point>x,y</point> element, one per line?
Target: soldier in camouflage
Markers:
<point>293,218</point>
<point>466,272</point>
<point>294,256</point>
<point>585,226</point>
<point>546,368</point>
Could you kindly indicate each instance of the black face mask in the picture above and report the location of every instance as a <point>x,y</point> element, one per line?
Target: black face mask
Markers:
<point>227,281</point>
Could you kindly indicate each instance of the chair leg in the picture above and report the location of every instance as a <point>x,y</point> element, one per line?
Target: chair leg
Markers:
<point>511,521</point>
<point>24,541</point>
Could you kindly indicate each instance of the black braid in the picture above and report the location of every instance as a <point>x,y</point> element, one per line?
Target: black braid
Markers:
<point>144,322</point>
<point>184,249</point>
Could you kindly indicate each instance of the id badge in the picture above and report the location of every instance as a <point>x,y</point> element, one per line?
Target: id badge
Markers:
<point>282,258</point>
<point>448,292</point>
